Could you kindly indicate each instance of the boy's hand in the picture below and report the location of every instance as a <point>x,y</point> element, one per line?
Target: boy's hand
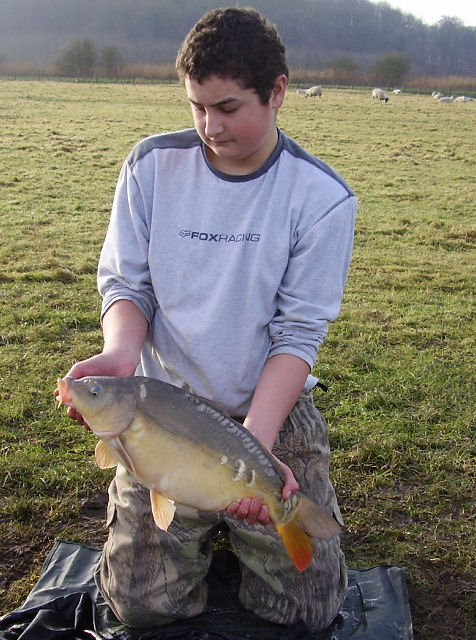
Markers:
<point>254,510</point>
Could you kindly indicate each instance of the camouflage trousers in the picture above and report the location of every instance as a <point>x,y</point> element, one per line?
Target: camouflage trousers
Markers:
<point>150,577</point>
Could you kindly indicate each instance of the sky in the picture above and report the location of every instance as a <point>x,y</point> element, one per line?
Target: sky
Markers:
<point>430,11</point>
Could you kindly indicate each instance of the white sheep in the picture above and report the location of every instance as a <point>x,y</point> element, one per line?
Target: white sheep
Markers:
<point>379,94</point>
<point>446,99</point>
<point>313,92</point>
<point>437,95</point>
<point>302,91</point>
<point>397,91</point>
<point>463,99</point>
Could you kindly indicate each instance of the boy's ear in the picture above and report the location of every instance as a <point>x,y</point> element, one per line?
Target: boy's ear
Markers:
<point>279,91</point>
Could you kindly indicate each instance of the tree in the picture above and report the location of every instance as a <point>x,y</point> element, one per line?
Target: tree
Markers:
<point>112,61</point>
<point>342,70</point>
<point>79,59</point>
<point>390,70</point>
<point>449,35</point>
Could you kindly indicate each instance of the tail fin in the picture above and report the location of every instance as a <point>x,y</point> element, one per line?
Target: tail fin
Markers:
<point>309,521</point>
<point>314,520</point>
<point>298,544</point>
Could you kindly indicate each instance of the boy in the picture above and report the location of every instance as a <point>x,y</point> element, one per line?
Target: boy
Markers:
<point>225,259</point>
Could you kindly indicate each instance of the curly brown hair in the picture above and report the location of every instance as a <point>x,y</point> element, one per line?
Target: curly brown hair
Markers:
<point>240,44</point>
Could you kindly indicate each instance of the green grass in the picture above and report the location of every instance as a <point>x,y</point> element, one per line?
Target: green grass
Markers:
<point>399,360</point>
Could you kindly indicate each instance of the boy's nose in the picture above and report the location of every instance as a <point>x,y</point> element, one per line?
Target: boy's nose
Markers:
<point>213,126</point>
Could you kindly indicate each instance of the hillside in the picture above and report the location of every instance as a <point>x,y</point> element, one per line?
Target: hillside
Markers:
<point>315,31</point>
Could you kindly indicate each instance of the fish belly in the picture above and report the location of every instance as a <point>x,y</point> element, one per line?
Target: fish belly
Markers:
<point>191,473</point>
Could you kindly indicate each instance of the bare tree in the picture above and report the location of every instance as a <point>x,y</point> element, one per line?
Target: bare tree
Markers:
<point>111,61</point>
<point>79,59</point>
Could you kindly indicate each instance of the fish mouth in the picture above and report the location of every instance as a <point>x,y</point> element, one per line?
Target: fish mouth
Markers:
<point>64,397</point>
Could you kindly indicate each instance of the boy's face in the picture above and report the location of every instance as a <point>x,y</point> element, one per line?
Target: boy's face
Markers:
<point>239,131</point>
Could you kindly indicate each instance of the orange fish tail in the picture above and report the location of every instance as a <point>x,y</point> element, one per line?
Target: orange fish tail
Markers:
<point>308,521</point>
<point>298,544</point>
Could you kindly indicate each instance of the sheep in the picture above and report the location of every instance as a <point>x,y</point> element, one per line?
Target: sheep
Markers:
<point>303,91</point>
<point>463,99</point>
<point>397,91</point>
<point>314,92</point>
<point>379,94</point>
<point>446,99</point>
<point>437,95</point>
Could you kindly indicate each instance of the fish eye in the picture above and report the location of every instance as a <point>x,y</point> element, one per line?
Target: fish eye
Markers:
<point>95,390</point>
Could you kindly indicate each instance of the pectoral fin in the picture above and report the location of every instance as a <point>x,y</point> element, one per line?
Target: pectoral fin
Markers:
<point>110,454</point>
<point>163,509</point>
<point>105,459</point>
<point>121,454</point>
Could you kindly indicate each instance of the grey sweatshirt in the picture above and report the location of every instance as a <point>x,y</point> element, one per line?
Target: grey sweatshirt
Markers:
<point>228,270</point>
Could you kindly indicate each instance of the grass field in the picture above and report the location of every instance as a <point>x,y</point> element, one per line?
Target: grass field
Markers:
<point>399,361</point>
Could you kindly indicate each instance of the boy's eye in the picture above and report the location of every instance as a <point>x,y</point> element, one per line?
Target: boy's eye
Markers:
<point>224,109</point>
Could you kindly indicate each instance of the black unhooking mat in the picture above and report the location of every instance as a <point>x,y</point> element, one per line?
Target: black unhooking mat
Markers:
<point>65,605</point>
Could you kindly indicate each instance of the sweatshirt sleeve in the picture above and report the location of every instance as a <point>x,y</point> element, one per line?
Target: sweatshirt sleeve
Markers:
<point>123,272</point>
<point>312,288</point>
